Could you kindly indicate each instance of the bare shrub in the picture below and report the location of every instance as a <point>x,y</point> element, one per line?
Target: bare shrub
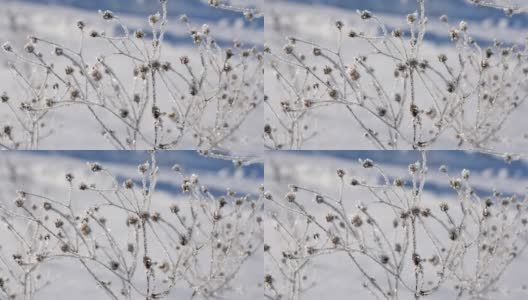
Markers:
<point>138,97</point>
<point>396,94</point>
<point>129,243</point>
<point>393,236</point>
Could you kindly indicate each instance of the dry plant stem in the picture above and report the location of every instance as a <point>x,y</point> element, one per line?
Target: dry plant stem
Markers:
<point>468,242</point>
<point>161,252</point>
<point>249,13</point>
<point>180,100</point>
<point>469,96</point>
<point>507,6</point>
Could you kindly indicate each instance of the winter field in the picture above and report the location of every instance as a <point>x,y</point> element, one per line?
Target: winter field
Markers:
<point>389,75</point>
<point>193,255</point>
<point>263,149</point>
<point>135,75</point>
<point>106,190</point>
<point>338,226</point>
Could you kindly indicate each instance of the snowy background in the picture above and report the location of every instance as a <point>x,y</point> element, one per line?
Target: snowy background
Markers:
<point>55,20</point>
<point>314,21</point>
<point>44,172</point>
<point>334,275</point>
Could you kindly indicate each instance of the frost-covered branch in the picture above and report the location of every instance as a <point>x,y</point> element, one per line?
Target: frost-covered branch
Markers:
<point>510,7</point>
<point>249,13</point>
<point>137,96</point>
<point>397,95</point>
<point>403,245</point>
<point>129,243</point>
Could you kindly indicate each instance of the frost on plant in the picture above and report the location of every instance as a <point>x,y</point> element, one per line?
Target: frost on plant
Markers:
<point>510,7</point>
<point>250,13</point>
<point>128,241</point>
<point>135,90</point>
<point>387,238</point>
<point>396,90</point>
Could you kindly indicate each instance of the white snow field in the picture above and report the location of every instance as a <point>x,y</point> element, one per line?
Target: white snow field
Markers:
<point>194,269</point>
<point>226,115</point>
<point>303,116</point>
<point>317,266</point>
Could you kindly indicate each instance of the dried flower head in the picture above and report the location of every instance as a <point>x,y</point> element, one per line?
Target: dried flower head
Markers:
<point>143,168</point>
<point>107,15</point>
<point>367,163</point>
<point>290,197</point>
<point>96,167</point>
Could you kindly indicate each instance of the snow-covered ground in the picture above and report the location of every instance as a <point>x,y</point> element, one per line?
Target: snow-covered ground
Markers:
<point>332,126</point>
<point>56,21</point>
<point>334,275</point>
<point>328,130</point>
<point>43,173</point>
